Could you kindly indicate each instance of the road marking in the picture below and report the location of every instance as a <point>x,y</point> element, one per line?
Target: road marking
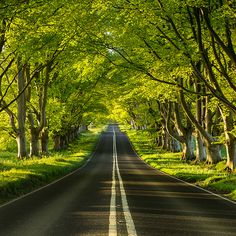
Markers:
<point>112,217</point>
<point>128,218</point>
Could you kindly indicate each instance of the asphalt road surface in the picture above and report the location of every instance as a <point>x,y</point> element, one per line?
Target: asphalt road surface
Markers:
<point>117,194</point>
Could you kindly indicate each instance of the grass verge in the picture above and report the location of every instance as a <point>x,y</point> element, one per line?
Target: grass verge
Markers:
<point>20,177</point>
<point>211,177</point>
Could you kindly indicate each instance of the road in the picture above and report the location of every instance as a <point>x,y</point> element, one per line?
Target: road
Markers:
<point>118,194</point>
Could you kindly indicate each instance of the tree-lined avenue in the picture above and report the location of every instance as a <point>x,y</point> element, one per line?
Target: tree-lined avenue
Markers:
<point>80,204</point>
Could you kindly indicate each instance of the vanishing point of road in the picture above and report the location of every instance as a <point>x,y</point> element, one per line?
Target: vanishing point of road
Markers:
<point>116,193</point>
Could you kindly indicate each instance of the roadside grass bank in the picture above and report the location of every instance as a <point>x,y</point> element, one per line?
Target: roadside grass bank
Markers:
<point>18,177</point>
<point>211,177</point>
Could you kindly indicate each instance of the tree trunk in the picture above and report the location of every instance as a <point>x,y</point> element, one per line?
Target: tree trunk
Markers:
<point>188,150</point>
<point>230,143</point>
<point>42,104</point>
<point>3,28</point>
<point>44,141</point>
<point>213,150</point>
<point>57,142</point>
<point>34,129</point>
<point>200,112</point>
<point>175,145</point>
<point>164,141</point>
<point>34,142</point>
<point>200,148</point>
<point>213,153</point>
<point>159,141</point>
<point>21,112</point>
<point>231,152</point>
<point>21,145</point>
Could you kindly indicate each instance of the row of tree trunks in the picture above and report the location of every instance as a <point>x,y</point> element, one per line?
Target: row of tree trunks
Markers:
<point>36,114</point>
<point>181,125</point>
<point>168,143</point>
<point>213,154</point>
<point>61,141</point>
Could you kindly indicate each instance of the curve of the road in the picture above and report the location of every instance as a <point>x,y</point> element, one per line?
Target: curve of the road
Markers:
<point>116,193</point>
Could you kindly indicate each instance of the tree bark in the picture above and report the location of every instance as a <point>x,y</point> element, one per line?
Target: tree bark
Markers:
<point>3,27</point>
<point>34,142</point>
<point>213,149</point>
<point>21,113</point>
<point>34,129</point>
<point>231,152</point>
<point>213,153</point>
<point>42,104</point>
<point>175,145</point>
<point>230,139</point>
<point>21,146</point>
<point>188,150</point>
<point>164,141</point>
<point>44,141</point>
<point>57,142</point>
<point>200,148</point>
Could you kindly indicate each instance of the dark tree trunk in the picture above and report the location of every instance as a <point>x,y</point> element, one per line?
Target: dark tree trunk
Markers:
<point>34,142</point>
<point>57,142</point>
<point>159,141</point>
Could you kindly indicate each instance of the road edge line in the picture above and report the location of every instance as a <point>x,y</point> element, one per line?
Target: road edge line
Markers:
<point>112,216</point>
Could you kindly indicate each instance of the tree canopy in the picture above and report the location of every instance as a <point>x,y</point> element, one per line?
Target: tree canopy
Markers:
<point>166,66</point>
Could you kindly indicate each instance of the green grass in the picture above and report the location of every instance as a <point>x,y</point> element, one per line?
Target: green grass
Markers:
<point>212,177</point>
<point>18,177</point>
